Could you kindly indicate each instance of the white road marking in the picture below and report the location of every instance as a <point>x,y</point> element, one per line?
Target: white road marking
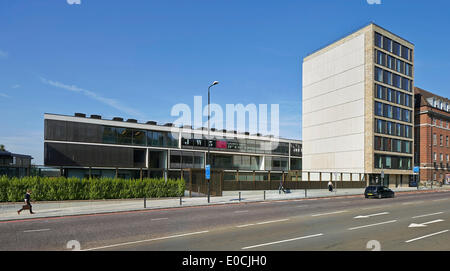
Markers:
<point>261,223</point>
<point>414,225</point>
<point>37,230</point>
<point>238,212</point>
<point>337,212</point>
<point>157,219</point>
<point>425,236</point>
<point>148,240</point>
<point>413,202</point>
<point>440,199</point>
<point>272,221</point>
<point>438,213</point>
<point>283,241</point>
<point>366,216</point>
<point>376,224</point>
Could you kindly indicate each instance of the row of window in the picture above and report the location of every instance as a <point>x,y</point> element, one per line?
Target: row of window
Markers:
<point>392,162</point>
<point>392,145</point>
<point>393,96</point>
<point>392,112</point>
<point>393,63</point>
<point>441,156</point>
<point>392,46</point>
<point>393,79</point>
<point>441,140</point>
<point>392,128</point>
<point>190,141</point>
<point>94,133</point>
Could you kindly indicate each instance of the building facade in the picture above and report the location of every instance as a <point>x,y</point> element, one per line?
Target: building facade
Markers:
<point>15,165</point>
<point>358,107</point>
<point>432,150</point>
<point>91,146</point>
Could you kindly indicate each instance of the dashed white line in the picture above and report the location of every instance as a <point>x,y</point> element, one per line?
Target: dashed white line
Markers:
<point>283,241</point>
<point>438,213</point>
<point>262,223</point>
<point>37,230</point>
<point>239,212</point>
<point>148,240</point>
<point>376,224</point>
<point>332,213</point>
<point>157,219</point>
<point>425,236</point>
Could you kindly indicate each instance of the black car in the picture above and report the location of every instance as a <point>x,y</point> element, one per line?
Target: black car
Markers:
<point>378,191</point>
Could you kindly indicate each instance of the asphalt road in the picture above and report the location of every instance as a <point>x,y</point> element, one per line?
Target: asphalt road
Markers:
<point>410,221</point>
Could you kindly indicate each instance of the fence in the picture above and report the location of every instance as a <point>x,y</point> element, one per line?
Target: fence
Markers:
<point>221,180</point>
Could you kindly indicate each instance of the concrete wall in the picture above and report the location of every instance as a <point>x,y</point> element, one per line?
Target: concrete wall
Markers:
<point>333,107</point>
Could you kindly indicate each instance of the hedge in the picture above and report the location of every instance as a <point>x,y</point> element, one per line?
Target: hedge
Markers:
<point>62,188</point>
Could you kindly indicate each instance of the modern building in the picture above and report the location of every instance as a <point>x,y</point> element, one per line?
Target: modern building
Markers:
<point>91,146</point>
<point>14,165</point>
<point>358,107</point>
<point>431,136</point>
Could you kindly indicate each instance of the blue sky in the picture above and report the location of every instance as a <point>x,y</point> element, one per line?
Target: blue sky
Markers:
<point>137,59</point>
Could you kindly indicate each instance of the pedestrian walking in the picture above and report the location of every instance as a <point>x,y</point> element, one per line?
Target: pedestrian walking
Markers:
<point>330,186</point>
<point>281,188</point>
<point>27,203</point>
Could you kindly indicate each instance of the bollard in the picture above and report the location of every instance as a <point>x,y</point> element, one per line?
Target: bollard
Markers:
<point>306,194</point>
<point>239,196</point>
<point>181,201</point>
<point>145,202</point>
<point>264,194</point>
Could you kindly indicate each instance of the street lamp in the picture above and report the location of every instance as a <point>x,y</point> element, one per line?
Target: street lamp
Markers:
<point>209,128</point>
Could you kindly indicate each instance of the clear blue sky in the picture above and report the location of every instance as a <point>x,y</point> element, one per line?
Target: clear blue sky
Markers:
<point>137,59</point>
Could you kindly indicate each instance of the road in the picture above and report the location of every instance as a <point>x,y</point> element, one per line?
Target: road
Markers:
<point>410,221</point>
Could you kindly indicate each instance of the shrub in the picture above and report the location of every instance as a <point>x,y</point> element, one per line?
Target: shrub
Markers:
<point>61,188</point>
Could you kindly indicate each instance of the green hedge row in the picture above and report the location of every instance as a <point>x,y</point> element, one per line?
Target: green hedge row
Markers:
<point>61,188</point>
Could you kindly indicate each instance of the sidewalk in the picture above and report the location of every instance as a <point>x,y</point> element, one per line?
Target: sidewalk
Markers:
<point>8,211</point>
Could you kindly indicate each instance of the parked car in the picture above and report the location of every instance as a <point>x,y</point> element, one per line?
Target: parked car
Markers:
<point>378,191</point>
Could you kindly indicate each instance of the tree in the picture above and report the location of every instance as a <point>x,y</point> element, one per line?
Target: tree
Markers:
<point>2,147</point>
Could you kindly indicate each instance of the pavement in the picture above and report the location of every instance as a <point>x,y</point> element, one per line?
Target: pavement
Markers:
<point>8,211</point>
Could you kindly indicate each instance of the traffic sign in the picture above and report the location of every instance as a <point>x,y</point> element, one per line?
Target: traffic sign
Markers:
<point>416,169</point>
<point>207,172</point>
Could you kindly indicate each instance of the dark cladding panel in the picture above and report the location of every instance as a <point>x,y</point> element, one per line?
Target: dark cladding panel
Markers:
<point>60,154</point>
<point>55,130</point>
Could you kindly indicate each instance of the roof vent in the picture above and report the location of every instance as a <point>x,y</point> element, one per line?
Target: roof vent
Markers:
<point>96,117</point>
<point>151,122</point>
<point>168,124</point>
<point>132,120</point>
<point>118,119</point>
<point>81,115</point>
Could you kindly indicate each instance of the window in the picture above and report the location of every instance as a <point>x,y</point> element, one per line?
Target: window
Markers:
<point>434,156</point>
<point>387,77</point>
<point>406,53</point>
<point>379,92</point>
<point>441,137</point>
<point>378,40</point>
<point>378,109</point>
<point>408,69</point>
<point>139,137</point>
<point>390,62</point>
<point>434,140</point>
<point>387,44</point>
<point>381,58</point>
<point>397,81</point>
<point>446,141</point>
<point>378,74</point>
<point>396,48</point>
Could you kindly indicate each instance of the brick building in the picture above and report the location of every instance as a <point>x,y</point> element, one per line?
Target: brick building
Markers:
<point>431,136</point>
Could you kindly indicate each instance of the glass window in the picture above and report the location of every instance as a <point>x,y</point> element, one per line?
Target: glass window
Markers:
<point>397,80</point>
<point>408,69</point>
<point>109,135</point>
<point>396,48</point>
<point>381,58</point>
<point>378,109</point>
<point>390,62</point>
<point>379,92</point>
<point>387,77</point>
<point>378,40</point>
<point>124,135</point>
<point>406,53</point>
<point>139,137</point>
<point>387,44</point>
<point>378,74</point>
<point>172,139</point>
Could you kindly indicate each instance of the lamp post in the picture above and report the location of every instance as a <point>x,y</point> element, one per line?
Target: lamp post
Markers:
<point>209,128</point>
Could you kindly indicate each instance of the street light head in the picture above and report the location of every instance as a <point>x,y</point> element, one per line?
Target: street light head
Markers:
<point>215,83</point>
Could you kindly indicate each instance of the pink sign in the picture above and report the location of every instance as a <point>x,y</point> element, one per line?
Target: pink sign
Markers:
<point>221,144</point>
